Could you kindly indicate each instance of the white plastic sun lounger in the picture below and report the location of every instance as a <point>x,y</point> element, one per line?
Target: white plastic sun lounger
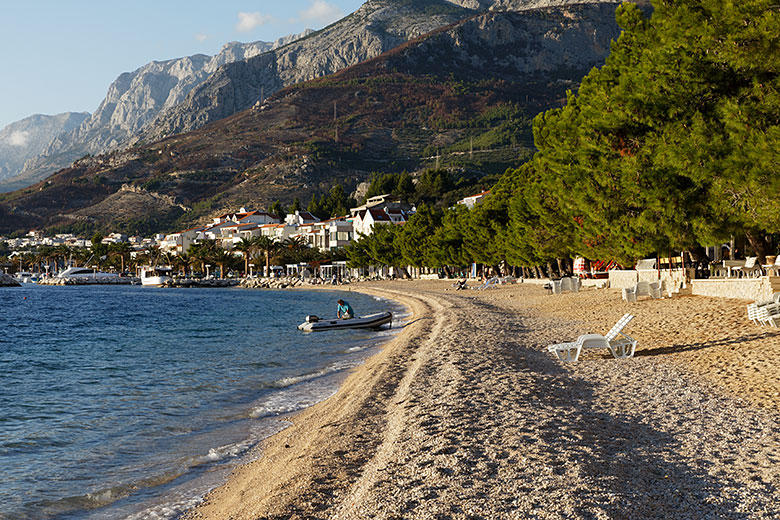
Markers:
<point>619,347</point>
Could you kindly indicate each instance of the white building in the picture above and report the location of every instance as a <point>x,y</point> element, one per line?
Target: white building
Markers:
<point>180,242</point>
<point>366,219</point>
<point>300,218</point>
<point>473,200</point>
<point>246,217</point>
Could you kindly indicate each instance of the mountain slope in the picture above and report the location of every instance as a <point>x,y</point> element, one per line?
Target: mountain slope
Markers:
<point>476,84</point>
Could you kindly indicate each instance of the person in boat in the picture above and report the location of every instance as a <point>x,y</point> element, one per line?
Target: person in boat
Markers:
<point>345,311</point>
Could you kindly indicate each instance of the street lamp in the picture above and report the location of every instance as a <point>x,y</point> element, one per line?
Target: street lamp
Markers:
<point>251,266</point>
<point>207,270</point>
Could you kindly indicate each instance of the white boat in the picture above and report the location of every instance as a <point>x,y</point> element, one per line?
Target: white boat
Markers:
<point>26,277</point>
<point>372,321</point>
<point>85,272</point>
<point>155,276</point>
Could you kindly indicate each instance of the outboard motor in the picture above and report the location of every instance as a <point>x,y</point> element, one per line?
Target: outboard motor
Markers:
<point>311,318</point>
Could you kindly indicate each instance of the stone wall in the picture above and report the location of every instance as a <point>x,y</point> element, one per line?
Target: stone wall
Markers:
<point>742,288</point>
<point>619,279</point>
<point>671,281</point>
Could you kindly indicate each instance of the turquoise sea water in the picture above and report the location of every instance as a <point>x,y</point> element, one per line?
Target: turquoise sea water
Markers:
<point>131,402</point>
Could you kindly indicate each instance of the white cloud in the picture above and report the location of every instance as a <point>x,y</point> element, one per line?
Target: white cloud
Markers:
<point>248,21</point>
<point>19,138</point>
<point>321,12</point>
<point>201,37</point>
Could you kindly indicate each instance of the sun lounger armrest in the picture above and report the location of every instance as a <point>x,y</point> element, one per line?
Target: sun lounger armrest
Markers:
<point>623,347</point>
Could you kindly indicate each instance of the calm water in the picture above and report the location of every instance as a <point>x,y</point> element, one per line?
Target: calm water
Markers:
<point>120,402</point>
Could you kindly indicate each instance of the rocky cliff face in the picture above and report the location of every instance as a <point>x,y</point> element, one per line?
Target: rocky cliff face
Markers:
<point>378,26</point>
<point>27,138</point>
<point>132,101</point>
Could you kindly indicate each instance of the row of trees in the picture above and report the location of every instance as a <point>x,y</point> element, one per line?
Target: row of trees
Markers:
<point>672,145</point>
<point>256,250</point>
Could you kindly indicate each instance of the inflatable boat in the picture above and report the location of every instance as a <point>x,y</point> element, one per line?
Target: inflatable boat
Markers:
<point>372,321</point>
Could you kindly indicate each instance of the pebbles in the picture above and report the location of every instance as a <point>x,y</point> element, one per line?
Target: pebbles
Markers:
<point>466,415</point>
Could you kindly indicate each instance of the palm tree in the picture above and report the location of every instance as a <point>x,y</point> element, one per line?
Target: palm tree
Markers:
<point>245,247</point>
<point>183,262</point>
<point>221,258</point>
<point>61,251</point>
<point>267,245</point>
<point>204,252</point>
<point>121,250</point>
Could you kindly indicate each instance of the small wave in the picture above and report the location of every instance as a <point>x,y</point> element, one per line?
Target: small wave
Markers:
<point>102,497</point>
<point>221,453</point>
<point>293,398</point>
<point>330,369</point>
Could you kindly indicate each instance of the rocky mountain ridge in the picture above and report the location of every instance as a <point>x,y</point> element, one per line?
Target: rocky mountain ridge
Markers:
<point>174,96</point>
<point>378,26</point>
<point>132,101</point>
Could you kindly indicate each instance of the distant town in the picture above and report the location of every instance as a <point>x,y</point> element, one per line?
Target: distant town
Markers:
<point>239,234</point>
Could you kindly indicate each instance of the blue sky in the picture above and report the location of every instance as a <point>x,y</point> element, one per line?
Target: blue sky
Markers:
<point>61,55</point>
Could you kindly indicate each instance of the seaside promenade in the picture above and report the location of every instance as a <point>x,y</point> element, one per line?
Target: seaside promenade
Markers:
<point>466,415</point>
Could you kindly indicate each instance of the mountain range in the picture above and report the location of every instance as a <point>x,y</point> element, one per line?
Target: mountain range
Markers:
<point>461,96</point>
<point>133,100</point>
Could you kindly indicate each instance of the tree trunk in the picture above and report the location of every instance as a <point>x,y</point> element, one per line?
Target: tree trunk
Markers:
<point>550,270</point>
<point>561,265</point>
<point>760,244</point>
<point>404,273</point>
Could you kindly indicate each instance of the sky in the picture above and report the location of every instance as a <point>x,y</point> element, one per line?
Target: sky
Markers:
<point>61,55</point>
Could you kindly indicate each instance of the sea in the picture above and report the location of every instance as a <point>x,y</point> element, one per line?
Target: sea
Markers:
<point>133,402</point>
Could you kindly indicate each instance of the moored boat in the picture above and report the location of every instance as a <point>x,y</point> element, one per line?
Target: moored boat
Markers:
<point>85,272</point>
<point>155,276</point>
<point>26,277</point>
<point>372,321</point>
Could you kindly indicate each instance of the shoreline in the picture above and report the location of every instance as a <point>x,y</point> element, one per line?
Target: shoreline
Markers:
<point>465,413</point>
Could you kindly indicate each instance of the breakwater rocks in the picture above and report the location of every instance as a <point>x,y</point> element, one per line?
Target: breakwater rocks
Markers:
<point>270,283</point>
<point>281,283</point>
<point>8,281</point>
<point>86,280</point>
<point>194,282</point>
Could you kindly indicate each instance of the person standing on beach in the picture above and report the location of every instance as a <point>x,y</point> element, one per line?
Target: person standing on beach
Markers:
<point>345,310</point>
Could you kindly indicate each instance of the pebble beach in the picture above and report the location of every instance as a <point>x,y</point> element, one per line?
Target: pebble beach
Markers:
<point>466,415</point>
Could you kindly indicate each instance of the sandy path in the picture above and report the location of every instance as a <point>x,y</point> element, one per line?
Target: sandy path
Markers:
<point>465,415</point>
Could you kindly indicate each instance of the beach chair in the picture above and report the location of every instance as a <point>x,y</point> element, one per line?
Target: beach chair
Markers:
<point>651,289</point>
<point>619,347</point>
<point>774,268</point>
<point>566,283</point>
<point>492,282</point>
<point>751,268</point>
